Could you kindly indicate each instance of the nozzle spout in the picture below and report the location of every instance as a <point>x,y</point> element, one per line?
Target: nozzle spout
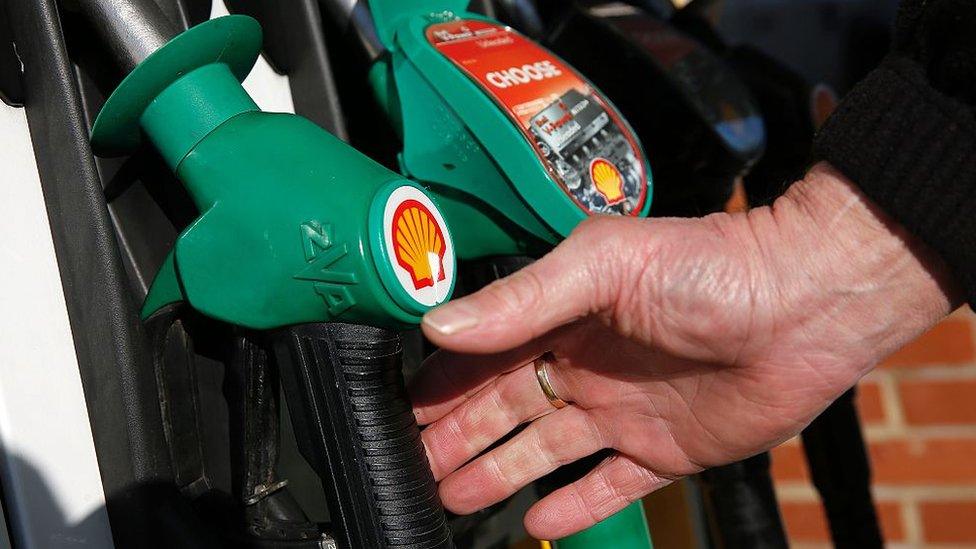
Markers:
<point>132,29</point>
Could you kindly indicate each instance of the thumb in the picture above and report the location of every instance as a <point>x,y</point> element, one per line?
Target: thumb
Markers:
<point>580,277</point>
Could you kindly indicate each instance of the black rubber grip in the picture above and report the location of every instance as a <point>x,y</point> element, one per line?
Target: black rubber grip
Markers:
<point>356,428</point>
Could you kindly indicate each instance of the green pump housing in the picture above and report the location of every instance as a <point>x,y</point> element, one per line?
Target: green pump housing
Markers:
<point>295,224</point>
<point>488,178</point>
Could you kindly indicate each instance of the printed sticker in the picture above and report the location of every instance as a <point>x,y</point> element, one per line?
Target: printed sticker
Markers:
<point>419,246</point>
<point>574,131</point>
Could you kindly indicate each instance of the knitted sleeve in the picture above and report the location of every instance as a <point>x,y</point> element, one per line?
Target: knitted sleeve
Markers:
<point>906,135</point>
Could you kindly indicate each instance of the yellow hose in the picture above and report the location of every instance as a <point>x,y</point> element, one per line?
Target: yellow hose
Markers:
<point>545,544</point>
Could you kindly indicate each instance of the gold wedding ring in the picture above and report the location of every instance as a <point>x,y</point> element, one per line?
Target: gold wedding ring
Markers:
<point>542,374</point>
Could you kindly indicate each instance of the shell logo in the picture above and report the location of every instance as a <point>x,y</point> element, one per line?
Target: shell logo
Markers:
<point>607,180</point>
<point>420,245</point>
<point>417,246</point>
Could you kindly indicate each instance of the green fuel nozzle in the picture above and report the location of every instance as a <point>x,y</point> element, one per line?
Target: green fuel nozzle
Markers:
<point>302,239</point>
<point>295,225</point>
<point>517,145</point>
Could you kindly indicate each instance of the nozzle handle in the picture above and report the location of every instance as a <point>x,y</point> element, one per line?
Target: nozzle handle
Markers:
<point>253,402</point>
<point>355,426</point>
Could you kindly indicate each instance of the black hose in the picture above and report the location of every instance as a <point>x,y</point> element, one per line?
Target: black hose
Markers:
<point>841,472</point>
<point>132,29</point>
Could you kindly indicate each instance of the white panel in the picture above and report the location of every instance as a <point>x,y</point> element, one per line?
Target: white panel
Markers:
<point>50,475</point>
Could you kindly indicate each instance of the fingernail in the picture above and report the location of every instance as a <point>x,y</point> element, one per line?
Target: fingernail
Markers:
<point>451,319</point>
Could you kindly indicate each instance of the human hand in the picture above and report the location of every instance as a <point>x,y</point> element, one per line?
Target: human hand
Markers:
<point>682,344</point>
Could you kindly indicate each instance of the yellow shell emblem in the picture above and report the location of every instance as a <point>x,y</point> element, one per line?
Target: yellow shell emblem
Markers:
<point>608,181</point>
<point>420,245</point>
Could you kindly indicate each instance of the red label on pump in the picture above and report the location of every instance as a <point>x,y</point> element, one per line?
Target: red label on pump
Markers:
<point>580,139</point>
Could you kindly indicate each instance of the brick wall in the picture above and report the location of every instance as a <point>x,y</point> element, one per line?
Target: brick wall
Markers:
<point>919,413</point>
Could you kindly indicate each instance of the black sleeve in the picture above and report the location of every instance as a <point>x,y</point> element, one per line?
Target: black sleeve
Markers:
<point>906,135</point>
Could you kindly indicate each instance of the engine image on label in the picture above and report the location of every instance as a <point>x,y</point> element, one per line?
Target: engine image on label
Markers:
<point>582,141</point>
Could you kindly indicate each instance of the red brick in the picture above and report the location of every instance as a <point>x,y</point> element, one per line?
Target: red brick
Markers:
<point>807,522</point>
<point>950,342</point>
<point>949,521</point>
<point>789,463</point>
<point>889,514</point>
<point>944,402</point>
<point>804,521</point>
<point>921,462</point>
<point>870,403</point>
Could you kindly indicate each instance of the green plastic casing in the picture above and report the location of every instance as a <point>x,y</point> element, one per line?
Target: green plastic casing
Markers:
<point>488,178</point>
<point>291,224</point>
<point>625,529</point>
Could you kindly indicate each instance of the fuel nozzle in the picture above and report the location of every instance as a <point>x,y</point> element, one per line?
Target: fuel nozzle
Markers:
<point>274,190</point>
<point>301,237</point>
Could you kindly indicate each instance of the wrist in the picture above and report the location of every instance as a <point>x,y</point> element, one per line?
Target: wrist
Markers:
<point>856,276</point>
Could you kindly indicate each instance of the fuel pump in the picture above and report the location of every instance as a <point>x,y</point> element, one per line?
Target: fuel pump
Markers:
<point>518,146</point>
<point>319,252</point>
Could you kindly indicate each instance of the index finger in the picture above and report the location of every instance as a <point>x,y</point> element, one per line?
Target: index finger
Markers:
<point>580,277</point>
